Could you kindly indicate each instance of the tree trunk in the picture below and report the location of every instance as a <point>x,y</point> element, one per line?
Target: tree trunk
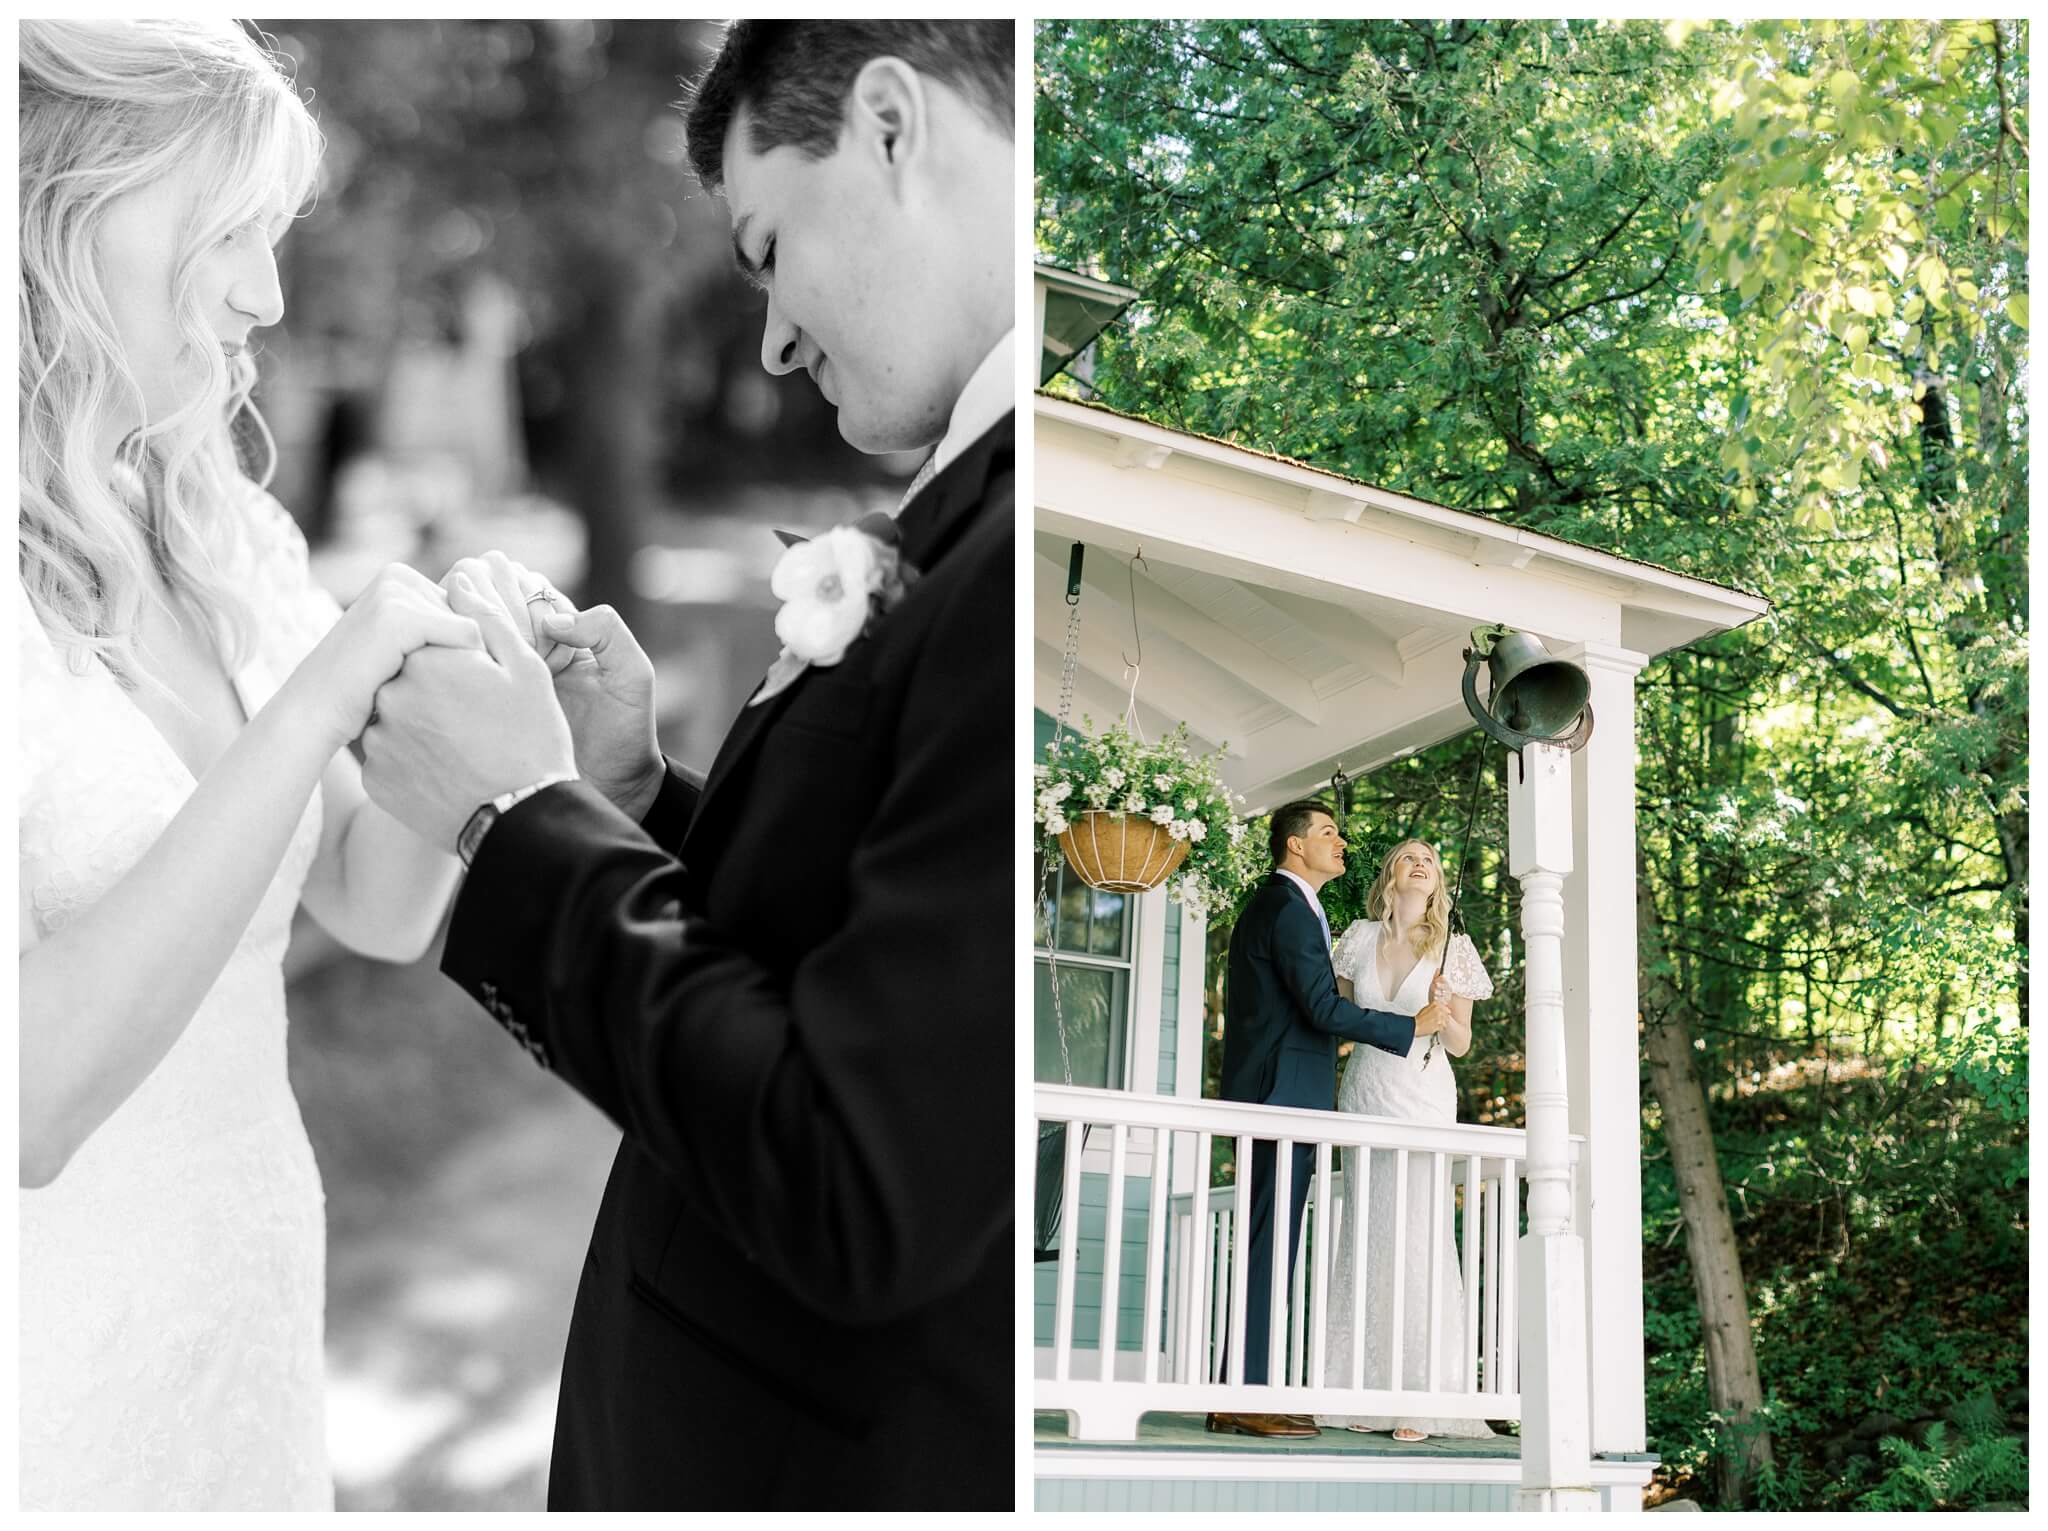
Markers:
<point>610,367</point>
<point>1734,1388</point>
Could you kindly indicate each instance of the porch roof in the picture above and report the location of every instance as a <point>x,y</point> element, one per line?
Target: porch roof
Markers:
<point>1297,618</point>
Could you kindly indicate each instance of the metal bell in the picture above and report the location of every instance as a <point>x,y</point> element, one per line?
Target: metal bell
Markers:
<point>1534,699</point>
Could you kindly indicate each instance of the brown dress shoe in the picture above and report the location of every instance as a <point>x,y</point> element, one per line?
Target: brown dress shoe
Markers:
<point>1283,1427</point>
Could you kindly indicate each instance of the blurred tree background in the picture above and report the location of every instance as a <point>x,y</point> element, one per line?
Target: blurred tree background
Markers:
<point>1750,302</point>
<point>512,320</point>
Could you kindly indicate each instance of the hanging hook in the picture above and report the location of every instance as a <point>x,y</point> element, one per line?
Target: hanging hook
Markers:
<point>1131,569</point>
<point>1074,573</point>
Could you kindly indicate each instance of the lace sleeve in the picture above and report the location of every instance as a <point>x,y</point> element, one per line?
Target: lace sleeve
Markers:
<point>1350,948</point>
<point>292,613</point>
<point>1465,971</point>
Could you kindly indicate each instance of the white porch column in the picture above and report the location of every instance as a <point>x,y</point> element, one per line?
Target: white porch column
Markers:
<point>1556,1467</point>
<point>1150,911</point>
<point>1602,1048</point>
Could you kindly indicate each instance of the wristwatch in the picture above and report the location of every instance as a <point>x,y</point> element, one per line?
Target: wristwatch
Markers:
<point>488,814</point>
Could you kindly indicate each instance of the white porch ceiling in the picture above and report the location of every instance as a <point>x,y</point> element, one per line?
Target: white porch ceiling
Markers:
<point>1296,619</point>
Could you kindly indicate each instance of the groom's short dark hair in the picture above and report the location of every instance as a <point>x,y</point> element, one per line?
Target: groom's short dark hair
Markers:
<point>1291,819</point>
<point>793,76</point>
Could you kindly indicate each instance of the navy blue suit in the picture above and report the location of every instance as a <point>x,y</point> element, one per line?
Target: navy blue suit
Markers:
<point>790,988</point>
<point>1283,1017</point>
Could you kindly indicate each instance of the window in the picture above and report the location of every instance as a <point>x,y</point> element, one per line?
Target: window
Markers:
<point>1091,932</point>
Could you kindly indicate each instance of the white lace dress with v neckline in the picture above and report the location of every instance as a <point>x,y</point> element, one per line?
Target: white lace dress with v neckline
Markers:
<point>1380,1083</point>
<point>173,1275</point>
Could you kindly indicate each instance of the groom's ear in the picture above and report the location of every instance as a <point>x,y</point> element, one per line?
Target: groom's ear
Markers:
<point>888,106</point>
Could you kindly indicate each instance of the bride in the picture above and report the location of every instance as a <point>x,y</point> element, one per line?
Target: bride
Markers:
<point>182,783</point>
<point>1389,962</point>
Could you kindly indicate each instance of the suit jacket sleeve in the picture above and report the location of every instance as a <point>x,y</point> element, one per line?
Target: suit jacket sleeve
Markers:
<point>1304,968</point>
<point>675,804</point>
<point>846,1128</point>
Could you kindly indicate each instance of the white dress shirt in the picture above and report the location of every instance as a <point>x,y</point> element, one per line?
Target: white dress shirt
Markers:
<point>991,393</point>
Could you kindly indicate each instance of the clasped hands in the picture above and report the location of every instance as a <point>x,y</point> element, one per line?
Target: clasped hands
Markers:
<point>1436,1015</point>
<point>552,691</point>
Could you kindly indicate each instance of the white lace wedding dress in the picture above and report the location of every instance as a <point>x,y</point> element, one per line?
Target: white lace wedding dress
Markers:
<point>1377,1083</point>
<point>173,1276</point>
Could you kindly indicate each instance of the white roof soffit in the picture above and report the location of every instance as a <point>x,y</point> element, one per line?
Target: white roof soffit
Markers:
<point>1299,617</point>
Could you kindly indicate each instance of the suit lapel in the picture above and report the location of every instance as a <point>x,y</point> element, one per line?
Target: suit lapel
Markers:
<point>930,524</point>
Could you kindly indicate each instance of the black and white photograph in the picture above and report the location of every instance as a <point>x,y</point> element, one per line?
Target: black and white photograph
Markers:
<point>516,765</point>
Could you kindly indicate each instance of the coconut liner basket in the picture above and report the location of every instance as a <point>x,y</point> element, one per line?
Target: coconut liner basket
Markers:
<point>1121,852</point>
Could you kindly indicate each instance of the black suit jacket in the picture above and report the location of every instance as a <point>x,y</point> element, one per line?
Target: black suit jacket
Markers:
<point>1283,1014</point>
<point>800,1289</point>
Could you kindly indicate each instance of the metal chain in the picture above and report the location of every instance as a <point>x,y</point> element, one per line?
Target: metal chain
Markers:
<point>1456,922</point>
<point>1068,664</point>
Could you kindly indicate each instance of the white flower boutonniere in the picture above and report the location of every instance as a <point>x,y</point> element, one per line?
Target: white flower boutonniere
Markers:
<point>834,588</point>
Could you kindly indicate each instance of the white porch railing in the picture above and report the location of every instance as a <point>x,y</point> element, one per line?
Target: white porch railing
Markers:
<point>1190,1342</point>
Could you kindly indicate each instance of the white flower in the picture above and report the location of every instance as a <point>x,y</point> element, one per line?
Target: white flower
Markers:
<point>1236,830</point>
<point>1163,783</point>
<point>1163,814</point>
<point>824,585</point>
<point>1134,804</point>
<point>1197,830</point>
<point>1055,824</point>
<point>1114,778</point>
<point>1062,789</point>
<point>1178,829</point>
<point>1188,803</point>
<point>1098,795</point>
<point>1039,772</point>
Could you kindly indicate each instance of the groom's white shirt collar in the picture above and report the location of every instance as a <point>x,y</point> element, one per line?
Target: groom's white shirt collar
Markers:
<point>991,393</point>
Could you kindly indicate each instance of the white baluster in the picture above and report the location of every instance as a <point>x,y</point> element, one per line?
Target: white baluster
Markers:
<point>1471,1273</point>
<point>1360,1198</point>
<point>1226,1267</point>
<point>1283,1245</point>
<point>1490,1231</point>
<point>1400,1311</point>
<point>1325,1252</point>
<point>1112,1255</point>
<point>1511,1273</point>
<point>1241,1217</point>
<point>1201,1240</point>
<point>1070,1248</point>
<point>1155,1251</point>
<point>1438,1202</point>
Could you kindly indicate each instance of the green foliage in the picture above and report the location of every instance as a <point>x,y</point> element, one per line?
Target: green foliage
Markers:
<point>1974,1465</point>
<point>1747,301</point>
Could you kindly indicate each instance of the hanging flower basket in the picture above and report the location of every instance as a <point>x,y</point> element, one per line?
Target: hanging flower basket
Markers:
<point>1129,816</point>
<point>1121,852</point>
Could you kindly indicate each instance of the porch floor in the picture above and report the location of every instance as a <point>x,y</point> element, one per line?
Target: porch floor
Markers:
<point>1189,1432</point>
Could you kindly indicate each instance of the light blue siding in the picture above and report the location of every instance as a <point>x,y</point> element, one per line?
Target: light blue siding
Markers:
<point>1248,1494</point>
<point>1169,999</point>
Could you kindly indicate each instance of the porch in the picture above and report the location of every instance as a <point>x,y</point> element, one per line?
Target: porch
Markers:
<point>1301,622</point>
<point>1176,1464</point>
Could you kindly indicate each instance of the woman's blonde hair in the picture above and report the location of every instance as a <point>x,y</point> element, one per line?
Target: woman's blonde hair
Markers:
<point>1434,928</point>
<point>108,108</point>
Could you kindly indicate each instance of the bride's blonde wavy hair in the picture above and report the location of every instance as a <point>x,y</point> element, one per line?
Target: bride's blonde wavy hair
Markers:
<point>108,108</point>
<point>1434,928</point>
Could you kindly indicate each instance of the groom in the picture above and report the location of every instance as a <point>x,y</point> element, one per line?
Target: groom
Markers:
<point>1283,1018</point>
<point>789,982</point>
